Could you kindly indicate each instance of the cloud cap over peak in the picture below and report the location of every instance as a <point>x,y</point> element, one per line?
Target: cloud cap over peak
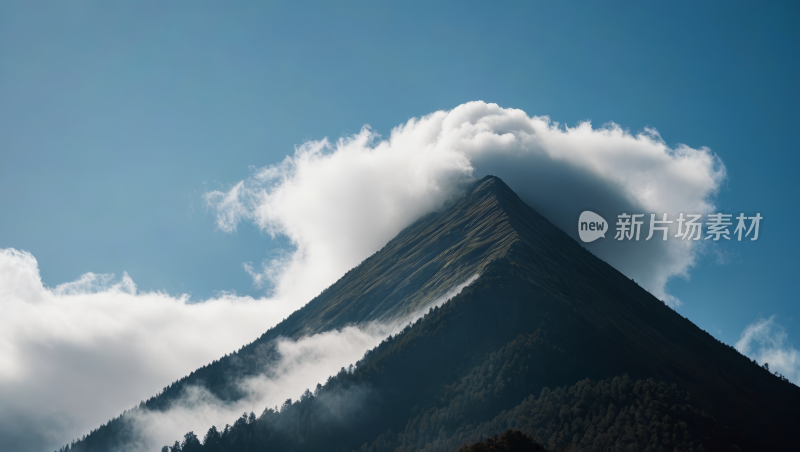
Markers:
<point>338,202</point>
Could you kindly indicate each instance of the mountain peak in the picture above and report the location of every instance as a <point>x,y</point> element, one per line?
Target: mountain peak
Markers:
<point>431,257</point>
<point>491,179</point>
<point>578,316</point>
<point>495,186</point>
<point>426,260</point>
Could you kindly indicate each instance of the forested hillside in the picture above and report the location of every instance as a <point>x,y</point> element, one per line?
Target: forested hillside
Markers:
<point>509,441</point>
<point>497,356</point>
<point>549,340</point>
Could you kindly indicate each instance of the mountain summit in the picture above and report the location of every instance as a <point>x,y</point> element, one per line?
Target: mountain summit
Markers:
<point>549,339</point>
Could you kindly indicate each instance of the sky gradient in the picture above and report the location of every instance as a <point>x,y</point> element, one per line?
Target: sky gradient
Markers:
<point>116,118</point>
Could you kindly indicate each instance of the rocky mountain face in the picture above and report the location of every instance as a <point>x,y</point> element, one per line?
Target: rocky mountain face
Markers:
<point>549,340</point>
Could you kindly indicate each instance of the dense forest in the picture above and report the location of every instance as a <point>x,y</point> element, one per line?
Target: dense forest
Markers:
<point>477,366</point>
<point>549,341</point>
<point>613,414</point>
<point>508,441</point>
<point>482,363</point>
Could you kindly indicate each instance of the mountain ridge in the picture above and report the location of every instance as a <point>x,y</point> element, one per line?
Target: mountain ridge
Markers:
<point>598,323</point>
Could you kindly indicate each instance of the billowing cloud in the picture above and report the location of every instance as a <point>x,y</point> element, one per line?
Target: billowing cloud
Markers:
<point>767,342</point>
<point>76,355</point>
<point>340,202</point>
<point>334,221</point>
<point>303,364</point>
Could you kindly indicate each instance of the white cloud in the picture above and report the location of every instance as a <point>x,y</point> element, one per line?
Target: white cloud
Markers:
<point>77,355</point>
<point>334,221</point>
<point>340,202</point>
<point>767,342</point>
<point>303,364</point>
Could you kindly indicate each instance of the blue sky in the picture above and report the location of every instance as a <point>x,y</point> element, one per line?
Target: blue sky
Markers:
<point>116,118</point>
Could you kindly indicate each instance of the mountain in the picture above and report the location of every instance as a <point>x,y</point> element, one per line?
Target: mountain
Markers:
<point>549,340</point>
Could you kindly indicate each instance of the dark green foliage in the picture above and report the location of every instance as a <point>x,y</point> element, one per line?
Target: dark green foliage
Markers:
<point>614,414</point>
<point>191,443</point>
<point>509,441</point>
<point>436,386</point>
<point>212,440</point>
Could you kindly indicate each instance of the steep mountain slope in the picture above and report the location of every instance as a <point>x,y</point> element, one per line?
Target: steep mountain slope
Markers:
<point>484,361</point>
<point>427,259</point>
<point>557,313</point>
<point>420,265</point>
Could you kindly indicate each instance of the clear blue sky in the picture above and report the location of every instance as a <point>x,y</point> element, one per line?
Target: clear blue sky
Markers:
<point>115,117</point>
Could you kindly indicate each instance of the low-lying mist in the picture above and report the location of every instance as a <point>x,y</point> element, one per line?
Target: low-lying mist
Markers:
<point>303,364</point>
